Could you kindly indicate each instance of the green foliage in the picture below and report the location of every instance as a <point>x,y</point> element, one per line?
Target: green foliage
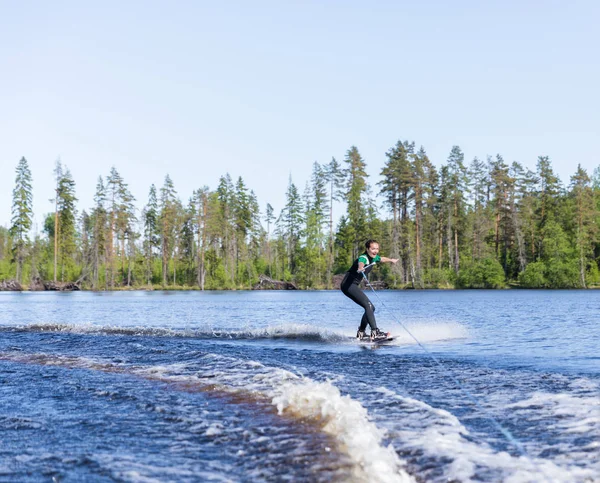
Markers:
<point>438,278</point>
<point>343,247</point>
<point>552,274</point>
<point>556,244</point>
<point>480,227</point>
<point>22,214</point>
<point>356,198</point>
<point>592,276</point>
<point>533,276</point>
<point>6,270</point>
<point>66,214</point>
<point>486,273</point>
<point>562,274</point>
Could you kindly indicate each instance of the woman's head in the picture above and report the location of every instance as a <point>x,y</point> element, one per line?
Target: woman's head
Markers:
<point>372,247</point>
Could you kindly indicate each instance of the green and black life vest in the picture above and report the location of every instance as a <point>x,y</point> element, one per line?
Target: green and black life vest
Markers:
<point>367,260</point>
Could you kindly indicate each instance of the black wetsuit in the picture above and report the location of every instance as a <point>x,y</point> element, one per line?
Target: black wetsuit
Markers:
<point>350,288</point>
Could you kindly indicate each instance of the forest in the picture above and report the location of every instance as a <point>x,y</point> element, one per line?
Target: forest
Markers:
<point>478,224</point>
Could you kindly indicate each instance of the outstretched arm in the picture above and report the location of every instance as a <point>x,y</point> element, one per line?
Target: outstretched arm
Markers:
<point>389,260</point>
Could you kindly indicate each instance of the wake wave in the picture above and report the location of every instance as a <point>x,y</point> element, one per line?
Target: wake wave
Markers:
<point>287,331</point>
<point>342,417</point>
<point>426,333</point>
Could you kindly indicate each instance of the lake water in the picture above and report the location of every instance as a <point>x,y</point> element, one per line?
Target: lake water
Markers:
<point>271,386</point>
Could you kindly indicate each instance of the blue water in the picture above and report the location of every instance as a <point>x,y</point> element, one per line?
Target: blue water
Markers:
<point>271,386</point>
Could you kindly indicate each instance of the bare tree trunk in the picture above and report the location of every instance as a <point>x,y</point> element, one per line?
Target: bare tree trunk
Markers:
<point>56,237</point>
<point>174,258</point>
<point>202,253</point>
<point>450,242</point>
<point>131,255</point>
<point>330,250</point>
<point>475,250</point>
<point>456,257</point>
<point>419,276</point>
<point>19,264</point>
<point>520,242</point>
<point>582,266</point>
<point>580,242</point>
<point>165,261</point>
<point>95,266</point>
<point>441,246</point>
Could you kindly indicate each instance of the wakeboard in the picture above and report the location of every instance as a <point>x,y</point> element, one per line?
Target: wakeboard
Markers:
<point>367,340</point>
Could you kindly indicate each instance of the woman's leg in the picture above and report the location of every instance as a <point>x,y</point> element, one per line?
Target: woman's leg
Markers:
<point>352,291</point>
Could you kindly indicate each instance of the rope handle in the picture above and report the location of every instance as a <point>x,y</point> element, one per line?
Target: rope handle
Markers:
<point>365,267</point>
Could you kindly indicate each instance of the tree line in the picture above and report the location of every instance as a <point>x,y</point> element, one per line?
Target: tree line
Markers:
<point>483,224</point>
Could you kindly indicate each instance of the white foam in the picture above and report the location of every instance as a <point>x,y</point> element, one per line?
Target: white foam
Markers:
<point>299,331</point>
<point>347,420</point>
<point>214,429</point>
<point>572,414</point>
<point>282,331</point>
<point>440,434</point>
<point>342,417</point>
<point>428,332</point>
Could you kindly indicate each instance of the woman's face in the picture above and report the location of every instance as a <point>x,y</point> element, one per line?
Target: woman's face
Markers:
<point>373,249</point>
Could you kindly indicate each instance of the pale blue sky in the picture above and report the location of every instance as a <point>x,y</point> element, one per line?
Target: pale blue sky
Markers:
<point>263,89</point>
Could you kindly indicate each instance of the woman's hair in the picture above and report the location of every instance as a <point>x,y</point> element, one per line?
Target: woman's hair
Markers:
<point>369,243</point>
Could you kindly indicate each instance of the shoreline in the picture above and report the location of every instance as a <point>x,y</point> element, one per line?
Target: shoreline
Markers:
<point>249,289</point>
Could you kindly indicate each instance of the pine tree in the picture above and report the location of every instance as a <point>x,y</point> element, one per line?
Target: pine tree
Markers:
<point>22,213</point>
<point>292,221</point>
<point>501,184</point>
<point>548,192</point>
<point>269,218</point>
<point>151,244</point>
<point>421,169</point>
<point>225,196</point>
<point>316,206</point>
<point>67,214</point>
<point>58,173</point>
<point>397,188</point>
<point>202,211</point>
<point>256,242</point>
<point>168,225</point>
<point>458,188</point>
<point>187,245</point>
<point>528,207</point>
<point>356,191</point>
<point>99,221</point>
<point>113,182</point>
<point>336,177</point>
<point>431,213</point>
<point>444,218</point>
<point>86,245</point>
<point>586,229</point>
<point>479,189</point>
<point>121,219</point>
<point>243,222</point>
<point>516,175</point>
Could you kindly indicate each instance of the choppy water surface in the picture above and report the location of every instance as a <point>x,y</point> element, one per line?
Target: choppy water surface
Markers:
<point>270,386</point>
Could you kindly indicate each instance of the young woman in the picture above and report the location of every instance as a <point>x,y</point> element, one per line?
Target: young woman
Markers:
<point>350,288</point>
